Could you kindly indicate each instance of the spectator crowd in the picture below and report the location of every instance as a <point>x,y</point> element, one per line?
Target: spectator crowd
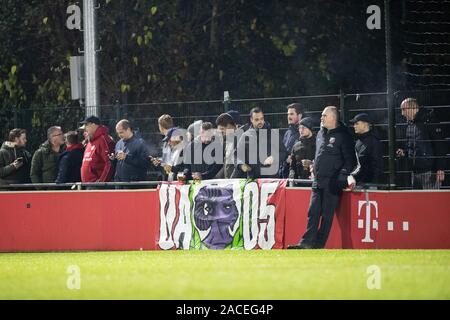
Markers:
<point>233,147</point>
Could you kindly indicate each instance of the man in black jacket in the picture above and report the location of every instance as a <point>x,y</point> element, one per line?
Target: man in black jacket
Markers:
<point>369,151</point>
<point>131,154</point>
<point>201,162</point>
<point>303,151</point>
<point>334,161</point>
<point>422,146</point>
<point>260,149</point>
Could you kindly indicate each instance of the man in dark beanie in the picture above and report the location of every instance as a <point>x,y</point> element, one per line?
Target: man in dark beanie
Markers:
<point>303,151</point>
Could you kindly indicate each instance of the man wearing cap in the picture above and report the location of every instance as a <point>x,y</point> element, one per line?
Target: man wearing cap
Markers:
<point>96,165</point>
<point>236,116</point>
<point>369,151</point>
<point>303,151</point>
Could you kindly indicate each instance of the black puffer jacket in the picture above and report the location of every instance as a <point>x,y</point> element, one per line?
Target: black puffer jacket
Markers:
<point>197,148</point>
<point>335,158</point>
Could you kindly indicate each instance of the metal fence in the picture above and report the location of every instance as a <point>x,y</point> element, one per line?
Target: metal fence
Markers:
<point>144,118</point>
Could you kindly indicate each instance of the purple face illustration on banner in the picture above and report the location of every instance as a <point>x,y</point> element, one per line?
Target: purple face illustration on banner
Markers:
<point>215,214</point>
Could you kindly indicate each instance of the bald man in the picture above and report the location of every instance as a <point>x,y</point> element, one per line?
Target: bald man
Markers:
<point>334,161</point>
<point>424,147</point>
<point>131,155</point>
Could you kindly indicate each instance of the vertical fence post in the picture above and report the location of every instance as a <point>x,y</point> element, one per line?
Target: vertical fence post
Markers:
<point>342,108</point>
<point>118,109</point>
<point>90,58</point>
<point>389,96</point>
<point>226,101</point>
<point>16,125</point>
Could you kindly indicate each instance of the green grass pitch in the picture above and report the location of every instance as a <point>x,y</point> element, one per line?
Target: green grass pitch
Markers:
<point>276,274</point>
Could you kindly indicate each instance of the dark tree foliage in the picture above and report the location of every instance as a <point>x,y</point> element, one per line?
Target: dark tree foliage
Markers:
<point>159,50</point>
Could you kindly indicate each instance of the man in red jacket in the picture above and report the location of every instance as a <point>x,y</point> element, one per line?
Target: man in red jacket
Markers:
<point>96,166</point>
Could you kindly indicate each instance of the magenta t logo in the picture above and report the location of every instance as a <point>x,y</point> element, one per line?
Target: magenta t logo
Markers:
<point>368,221</point>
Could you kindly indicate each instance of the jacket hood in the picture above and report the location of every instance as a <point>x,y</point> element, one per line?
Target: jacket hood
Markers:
<point>45,146</point>
<point>340,128</point>
<point>7,145</point>
<point>74,147</point>
<point>101,131</point>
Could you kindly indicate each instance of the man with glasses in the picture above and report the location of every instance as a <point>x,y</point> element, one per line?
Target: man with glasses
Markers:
<point>44,165</point>
<point>423,148</point>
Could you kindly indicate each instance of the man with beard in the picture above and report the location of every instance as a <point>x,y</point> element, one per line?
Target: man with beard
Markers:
<point>15,160</point>
<point>259,149</point>
<point>295,113</point>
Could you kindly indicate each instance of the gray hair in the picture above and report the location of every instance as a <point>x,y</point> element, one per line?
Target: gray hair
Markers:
<point>51,130</point>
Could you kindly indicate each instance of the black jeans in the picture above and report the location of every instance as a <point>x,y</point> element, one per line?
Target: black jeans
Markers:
<point>323,203</point>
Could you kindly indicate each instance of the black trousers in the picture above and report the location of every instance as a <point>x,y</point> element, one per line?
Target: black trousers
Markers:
<point>321,209</point>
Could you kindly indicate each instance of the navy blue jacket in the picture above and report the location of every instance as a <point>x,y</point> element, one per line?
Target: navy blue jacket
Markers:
<point>290,137</point>
<point>136,163</point>
<point>335,158</point>
<point>69,164</point>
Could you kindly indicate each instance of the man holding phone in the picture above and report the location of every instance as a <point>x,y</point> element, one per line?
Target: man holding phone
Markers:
<point>131,155</point>
<point>15,160</point>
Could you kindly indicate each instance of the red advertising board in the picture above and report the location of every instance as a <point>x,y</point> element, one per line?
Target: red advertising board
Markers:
<point>130,220</point>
